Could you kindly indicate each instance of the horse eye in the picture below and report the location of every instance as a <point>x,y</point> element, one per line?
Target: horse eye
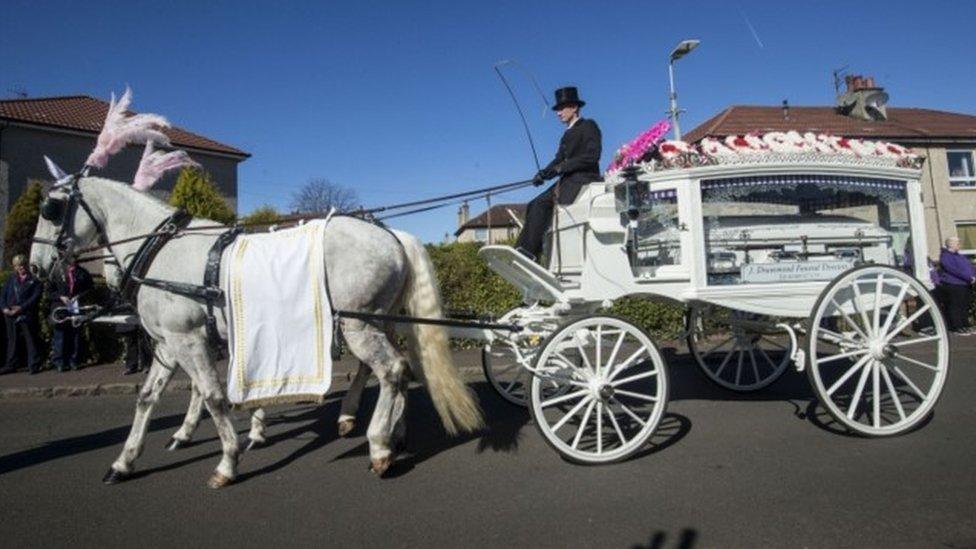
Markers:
<point>52,209</point>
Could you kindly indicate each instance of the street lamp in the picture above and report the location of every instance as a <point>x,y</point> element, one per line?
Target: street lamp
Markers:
<point>681,50</point>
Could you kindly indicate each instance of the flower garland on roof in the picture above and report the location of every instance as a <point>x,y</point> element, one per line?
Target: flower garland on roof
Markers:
<point>745,148</point>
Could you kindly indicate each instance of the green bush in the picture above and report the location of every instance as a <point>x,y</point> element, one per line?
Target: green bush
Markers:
<point>196,193</point>
<point>662,320</point>
<point>21,223</point>
<point>262,216</point>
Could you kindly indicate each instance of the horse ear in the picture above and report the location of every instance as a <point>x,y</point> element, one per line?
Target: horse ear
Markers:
<point>56,172</point>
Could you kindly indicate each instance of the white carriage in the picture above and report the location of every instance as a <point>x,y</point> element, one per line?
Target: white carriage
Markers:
<point>803,259</point>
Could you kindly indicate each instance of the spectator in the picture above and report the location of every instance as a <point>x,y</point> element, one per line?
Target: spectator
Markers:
<point>956,279</point>
<point>138,349</point>
<point>20,299</point>
<point>66,339</point>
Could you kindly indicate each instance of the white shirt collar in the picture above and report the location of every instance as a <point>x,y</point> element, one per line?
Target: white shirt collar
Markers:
<point>573,123</point>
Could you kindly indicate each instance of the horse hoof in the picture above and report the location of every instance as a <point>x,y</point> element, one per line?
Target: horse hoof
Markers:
<point>115,477</point>
<point>218,480</point>
<point>176,444</point>
<point>346,426</point>
<point>381,466</point>
<point>253,445</point>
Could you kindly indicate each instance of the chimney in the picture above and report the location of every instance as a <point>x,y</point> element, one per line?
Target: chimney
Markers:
<point>786,110</point>
<point>463,214</point>
<point>862,99</point>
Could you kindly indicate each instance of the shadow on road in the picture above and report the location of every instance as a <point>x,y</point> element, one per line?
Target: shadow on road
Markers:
<point>659,540</point>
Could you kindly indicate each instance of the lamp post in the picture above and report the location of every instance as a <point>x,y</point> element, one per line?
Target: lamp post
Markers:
<point>682,49</point>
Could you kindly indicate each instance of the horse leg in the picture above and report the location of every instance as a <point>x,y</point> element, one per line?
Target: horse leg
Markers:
<point>372,347</point>
<point>182,437</point>
<point>256,434</point>
<point>157,379</point>
<point>196,360</point>
<point>350,402</point>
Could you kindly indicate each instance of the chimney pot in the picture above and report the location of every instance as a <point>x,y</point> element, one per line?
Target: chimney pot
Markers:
<point>849,80</point>
<point>869,82</point>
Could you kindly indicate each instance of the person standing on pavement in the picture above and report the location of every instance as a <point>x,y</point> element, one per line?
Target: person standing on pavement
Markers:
<point>577,163</point>
<point>19,300</point>
<point>66,339</point>
<point>957,278</point>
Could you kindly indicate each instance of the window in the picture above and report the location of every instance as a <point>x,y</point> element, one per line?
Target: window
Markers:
<point>961,170</point>
<point>481,235</point>
<point>967,237</point>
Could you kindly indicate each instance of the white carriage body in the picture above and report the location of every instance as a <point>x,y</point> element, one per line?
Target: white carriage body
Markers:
<point>754,235</point>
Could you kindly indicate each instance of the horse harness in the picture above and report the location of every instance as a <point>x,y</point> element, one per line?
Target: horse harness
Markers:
<point>59,210</point>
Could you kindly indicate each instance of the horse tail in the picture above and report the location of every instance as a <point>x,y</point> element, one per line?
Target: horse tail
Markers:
<point>455,402</point>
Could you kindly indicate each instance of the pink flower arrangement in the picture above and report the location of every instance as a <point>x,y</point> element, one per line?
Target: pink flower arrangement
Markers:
<point>631,153</point>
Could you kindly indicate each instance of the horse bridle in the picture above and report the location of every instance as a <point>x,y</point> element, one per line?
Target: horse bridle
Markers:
<point>61,212</point>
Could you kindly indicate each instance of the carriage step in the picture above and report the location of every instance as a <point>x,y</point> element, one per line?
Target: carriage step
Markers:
<point>535,282</point>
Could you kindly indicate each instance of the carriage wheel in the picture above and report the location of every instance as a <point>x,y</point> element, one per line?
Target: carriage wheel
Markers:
<point>732,354</point>
<point>878,350</point>
<point>504,364</point>
<point>600,390</point>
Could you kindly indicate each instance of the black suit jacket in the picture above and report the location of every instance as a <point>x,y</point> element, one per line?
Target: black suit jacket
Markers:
<point>577,161</point>
<point>58,285</point>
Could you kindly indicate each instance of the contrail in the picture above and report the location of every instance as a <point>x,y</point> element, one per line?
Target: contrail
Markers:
<point>751,28</point>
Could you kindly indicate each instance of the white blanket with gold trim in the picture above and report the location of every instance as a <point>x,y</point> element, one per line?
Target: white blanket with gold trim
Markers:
<point>279,319</point>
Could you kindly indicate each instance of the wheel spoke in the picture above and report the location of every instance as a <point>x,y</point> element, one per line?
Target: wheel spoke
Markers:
<point>738,367</point>
<point>635,395</point>
<point>599,348</point>
<point>916,362</point>
<point>599,427</point>
<point>704,355</point>
<point>773,343</point>
<point>582,427</point>
<point>627,363</point>
<point>877,303</point>
<point>518,376</point>
<point>724,362</point>
<point>570,414</point>
<point>850,321</point>
<point>563,398</point>
<point>847,375</point>
<point>772,364</point>
<point>631,413</point>
<point>848,354</point>
<point>857,392</point>
<point>904,377</point>
<point>905,323</point>
<point>616,349</point>
<point>835,335</point>
<point>616,426</point>
<point>633,378</point>
<point>894,393</point>
<point>895,307</point>
<point>876,390</point>
<point>857,307</point>
<point>586,359</point>
<point>916,341</point>
<point>755,369</point>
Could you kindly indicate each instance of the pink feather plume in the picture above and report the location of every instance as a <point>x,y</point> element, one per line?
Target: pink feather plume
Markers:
<point>119,130</point>
<point>155,163</point>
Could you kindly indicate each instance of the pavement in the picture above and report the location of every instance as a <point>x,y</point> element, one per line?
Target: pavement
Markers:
<point>768,469</point>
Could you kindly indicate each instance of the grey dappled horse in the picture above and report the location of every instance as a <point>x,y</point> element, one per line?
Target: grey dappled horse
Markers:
<point>369,269</point>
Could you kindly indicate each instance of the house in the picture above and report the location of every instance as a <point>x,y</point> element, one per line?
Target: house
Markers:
<point>947,140</point>
<point>65,129</point>
<point>500,223</point>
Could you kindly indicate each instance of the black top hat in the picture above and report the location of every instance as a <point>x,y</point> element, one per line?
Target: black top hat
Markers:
<point>566,96</point>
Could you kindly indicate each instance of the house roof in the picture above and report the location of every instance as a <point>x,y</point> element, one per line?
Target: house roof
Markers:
<point>87,114</point>
<point>905,124</point>
<point>498,215</point>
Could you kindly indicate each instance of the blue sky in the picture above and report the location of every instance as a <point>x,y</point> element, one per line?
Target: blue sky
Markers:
<point>398,100</point>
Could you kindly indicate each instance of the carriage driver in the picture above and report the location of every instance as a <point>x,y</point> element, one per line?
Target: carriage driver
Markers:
<point>577,163</point>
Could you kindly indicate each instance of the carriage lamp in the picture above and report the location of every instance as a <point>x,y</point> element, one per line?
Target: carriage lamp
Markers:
<point>682,49</point>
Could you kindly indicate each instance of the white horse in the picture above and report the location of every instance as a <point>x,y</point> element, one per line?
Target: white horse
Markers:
<point>369,270</point>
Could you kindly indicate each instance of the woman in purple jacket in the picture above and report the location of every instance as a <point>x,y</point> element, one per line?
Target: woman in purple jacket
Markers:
<point>957,278</point>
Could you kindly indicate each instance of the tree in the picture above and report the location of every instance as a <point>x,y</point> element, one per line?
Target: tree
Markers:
<point>319,195</point>
<point>263,215</point>
<point>196,193</point>
<point>22,222</point>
